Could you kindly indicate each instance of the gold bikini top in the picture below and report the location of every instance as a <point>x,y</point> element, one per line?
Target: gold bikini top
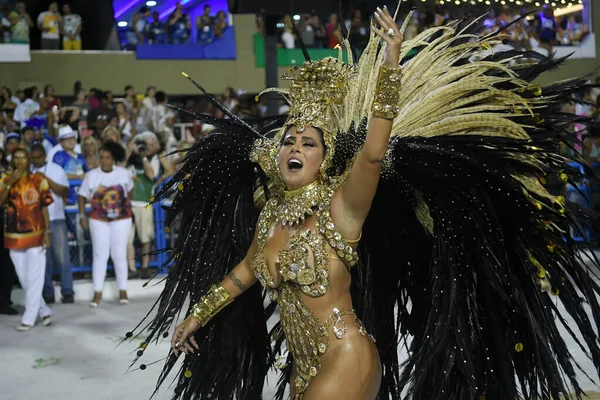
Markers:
<point>305,260</point>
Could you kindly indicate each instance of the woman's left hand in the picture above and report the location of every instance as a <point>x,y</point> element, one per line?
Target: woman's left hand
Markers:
<point>47,239</point>
<point>389,32</point>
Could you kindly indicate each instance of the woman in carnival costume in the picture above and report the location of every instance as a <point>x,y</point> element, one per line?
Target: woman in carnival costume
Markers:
<point>402,198</point>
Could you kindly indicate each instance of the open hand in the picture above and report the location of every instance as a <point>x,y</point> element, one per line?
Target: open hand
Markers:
<point>389,32</point>
<point>183,337</point>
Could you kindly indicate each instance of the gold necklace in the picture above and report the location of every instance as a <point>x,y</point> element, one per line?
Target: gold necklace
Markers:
<point>295,205</point>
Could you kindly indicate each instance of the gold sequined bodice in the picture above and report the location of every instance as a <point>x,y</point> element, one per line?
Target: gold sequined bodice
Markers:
<point>304,262</point>
<point>304,268</point>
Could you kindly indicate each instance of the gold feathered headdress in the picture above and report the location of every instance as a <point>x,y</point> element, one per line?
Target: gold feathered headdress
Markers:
<point>316,96</point>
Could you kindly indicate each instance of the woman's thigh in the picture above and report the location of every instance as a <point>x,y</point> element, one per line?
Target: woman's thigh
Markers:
<point>351,372</point>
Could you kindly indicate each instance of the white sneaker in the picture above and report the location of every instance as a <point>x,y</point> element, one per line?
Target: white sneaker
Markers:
<point>46,321</point>
<point>24,328</point>
<point>93,304</point>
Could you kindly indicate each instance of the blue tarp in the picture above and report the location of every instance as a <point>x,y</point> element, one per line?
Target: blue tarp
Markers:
<point>223,48</point>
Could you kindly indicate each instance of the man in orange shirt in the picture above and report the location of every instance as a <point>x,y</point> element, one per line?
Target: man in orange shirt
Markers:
<point>27,233</point>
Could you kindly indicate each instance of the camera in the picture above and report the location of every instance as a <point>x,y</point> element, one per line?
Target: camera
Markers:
<point>141,146</point>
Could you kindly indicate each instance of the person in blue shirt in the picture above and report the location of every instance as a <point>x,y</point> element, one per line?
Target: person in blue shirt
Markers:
<point>204,25</point>
<point>179,26</point>
<point>137,28</point>
<point>74,164</point>
<point>546,29</point>
<point>156,30</point>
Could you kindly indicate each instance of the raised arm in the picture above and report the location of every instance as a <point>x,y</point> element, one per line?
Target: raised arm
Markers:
<point>351,204</point>
<point>240,279</point>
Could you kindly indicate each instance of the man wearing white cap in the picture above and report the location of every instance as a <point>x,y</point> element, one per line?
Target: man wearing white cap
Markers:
<point>72,162</point>
<point>64,130</point>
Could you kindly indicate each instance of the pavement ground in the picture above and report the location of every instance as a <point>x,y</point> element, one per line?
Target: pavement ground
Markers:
<point>79,356</point>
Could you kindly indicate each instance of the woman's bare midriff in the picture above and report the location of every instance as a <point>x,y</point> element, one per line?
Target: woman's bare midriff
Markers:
<point>350,368</point>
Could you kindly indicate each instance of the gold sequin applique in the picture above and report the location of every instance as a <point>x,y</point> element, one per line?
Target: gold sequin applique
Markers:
<point>296,266</point>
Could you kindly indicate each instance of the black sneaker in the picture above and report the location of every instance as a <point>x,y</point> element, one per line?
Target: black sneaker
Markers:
<point>49,299</point>
<point>68,299</point>
<point>6,309</point>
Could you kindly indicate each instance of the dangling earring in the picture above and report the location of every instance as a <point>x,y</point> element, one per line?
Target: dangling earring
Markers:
<point>323,175</point>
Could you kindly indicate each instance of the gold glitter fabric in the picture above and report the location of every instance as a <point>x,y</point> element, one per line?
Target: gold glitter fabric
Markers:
<point>210,304</point>
<point>387,93</point>
<point>304,267</point>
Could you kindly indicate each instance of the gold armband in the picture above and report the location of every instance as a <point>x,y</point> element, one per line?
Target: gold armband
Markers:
<point>210,304</point>
<point>387,92</point>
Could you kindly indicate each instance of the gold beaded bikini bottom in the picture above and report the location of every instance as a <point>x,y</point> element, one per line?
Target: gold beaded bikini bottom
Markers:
<point>306,338</point>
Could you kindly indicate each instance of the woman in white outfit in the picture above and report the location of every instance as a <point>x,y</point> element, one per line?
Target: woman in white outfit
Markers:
<point>27,233</point>
<point>108,189</point>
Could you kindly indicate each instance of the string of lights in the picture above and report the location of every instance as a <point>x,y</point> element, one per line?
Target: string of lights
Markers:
<point>558,4</point>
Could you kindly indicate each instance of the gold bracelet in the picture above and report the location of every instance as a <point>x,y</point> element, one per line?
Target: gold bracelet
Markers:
<point>385,104</point>
<point>210,304</point>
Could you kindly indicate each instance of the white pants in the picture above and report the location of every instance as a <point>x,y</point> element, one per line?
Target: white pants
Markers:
<point>30,265</point>
<point>109,239</point>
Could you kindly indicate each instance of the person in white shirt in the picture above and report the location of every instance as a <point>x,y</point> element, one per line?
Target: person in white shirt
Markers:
<point>159,111</point>
<point>59,247</point>
<point>49,23</point>
<point>71,29</point>
<point>26,109</point>
<point>108,189</point>
<point>148,105</point>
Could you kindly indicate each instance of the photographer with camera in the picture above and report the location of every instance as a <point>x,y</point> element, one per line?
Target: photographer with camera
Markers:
<point>144,166</point>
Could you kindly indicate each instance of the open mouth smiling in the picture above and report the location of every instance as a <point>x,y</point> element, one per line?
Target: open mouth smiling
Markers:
<point>294,164</point>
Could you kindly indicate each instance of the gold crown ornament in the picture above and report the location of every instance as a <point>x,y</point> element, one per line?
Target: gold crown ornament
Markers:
<point>316,96</point>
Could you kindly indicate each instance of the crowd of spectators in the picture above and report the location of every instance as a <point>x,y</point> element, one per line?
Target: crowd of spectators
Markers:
<point>96,159</point>
<point>541,29</point>
<point>15,26</point>
<point>146,27</point>
<point>97,152</point>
